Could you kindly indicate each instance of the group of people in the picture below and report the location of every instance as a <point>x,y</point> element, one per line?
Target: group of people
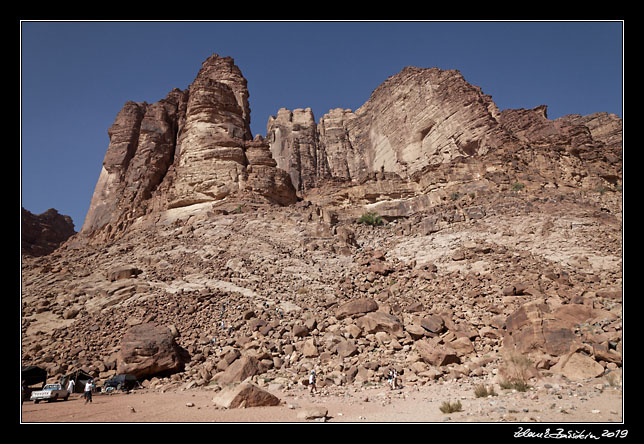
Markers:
<point>87,393</point>
<point>392,380</point>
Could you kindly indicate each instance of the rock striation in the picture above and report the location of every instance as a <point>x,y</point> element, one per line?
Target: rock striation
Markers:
<point>417,119</point>
<point>190,147</point>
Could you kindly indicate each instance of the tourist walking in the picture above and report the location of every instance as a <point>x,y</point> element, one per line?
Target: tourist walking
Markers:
<point>393,378</point>
<point>88,391</point>
<point>312,379</point>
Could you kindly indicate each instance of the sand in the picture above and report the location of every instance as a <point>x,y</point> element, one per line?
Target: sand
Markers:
<point>589,402</point>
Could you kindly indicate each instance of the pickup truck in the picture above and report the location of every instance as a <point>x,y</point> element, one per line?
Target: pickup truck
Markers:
<point>50,392</point>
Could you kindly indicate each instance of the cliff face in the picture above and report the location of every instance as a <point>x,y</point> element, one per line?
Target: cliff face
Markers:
<point>189,147</point>
<point>295,144</point>
<point>416,119</point>
<point>419,128</point>
<point>141,150</point>
<point>421,119</point>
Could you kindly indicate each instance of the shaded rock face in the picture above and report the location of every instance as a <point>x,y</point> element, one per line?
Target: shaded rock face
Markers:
<point>188,148</point>
<point>141,149</point>
<point>43,233</point>
<point>295,145</point>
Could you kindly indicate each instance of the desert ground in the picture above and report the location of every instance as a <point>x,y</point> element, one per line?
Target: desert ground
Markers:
<point>547,401</point>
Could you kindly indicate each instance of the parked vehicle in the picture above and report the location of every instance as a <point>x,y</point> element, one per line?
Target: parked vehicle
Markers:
<point>50,392</point>
<point>121,382</point>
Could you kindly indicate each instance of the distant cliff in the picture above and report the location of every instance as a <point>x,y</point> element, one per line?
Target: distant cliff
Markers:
<point>43,233</point>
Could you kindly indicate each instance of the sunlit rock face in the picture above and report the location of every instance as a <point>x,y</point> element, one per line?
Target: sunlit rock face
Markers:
<point>416,119</point>
<point>188,148</point>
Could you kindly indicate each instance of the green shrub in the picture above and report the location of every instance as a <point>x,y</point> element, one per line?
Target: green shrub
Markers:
<point>371,219</point>
<point>518,186</point>
<point>451,407</point>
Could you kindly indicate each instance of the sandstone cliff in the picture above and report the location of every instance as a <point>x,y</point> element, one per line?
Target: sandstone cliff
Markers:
<point>416,119</point>
<point>421,119</point>
<point>189,147</point>
<point>419,129</point>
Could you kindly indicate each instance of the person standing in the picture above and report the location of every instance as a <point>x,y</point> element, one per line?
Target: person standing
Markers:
<point>70,386</point>
<point>88,391</point>
<point>312,378</point>
<point>393,378</point>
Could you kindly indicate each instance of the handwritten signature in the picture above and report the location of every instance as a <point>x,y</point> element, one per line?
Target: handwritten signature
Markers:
<point>561,433</point>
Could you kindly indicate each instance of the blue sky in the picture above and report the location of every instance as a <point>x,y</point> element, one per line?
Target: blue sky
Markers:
<point>76,76</point>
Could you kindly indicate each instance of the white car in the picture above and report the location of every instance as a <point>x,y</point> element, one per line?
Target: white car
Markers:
<point>50,392</point>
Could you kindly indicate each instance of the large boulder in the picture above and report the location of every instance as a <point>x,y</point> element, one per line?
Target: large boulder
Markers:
<point>436,354</point>
<point>148,350</point>
<point>433,324</point>
<point>240,369</point>
<point>533,328</point>
<point>378,321</point>
<point>346,348</point>
<point>538,327</point>
<point>356,306</point>
<point>578,366</point>
<point>309,349</point>
<point>313,412</point>
<point>244,395</point>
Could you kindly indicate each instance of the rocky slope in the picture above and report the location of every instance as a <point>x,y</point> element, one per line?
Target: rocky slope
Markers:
<point>198,263</point>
